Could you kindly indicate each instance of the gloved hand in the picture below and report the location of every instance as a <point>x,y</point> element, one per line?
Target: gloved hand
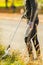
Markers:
<point>30,24</point>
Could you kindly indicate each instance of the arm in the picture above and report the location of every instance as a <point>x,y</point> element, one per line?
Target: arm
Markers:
<point>33,9</point>
<point>28,9</point>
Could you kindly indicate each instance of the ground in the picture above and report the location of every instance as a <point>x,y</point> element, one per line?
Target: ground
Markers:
<point>8,25</point>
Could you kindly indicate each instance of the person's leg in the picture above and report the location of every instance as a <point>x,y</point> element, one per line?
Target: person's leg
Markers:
<point>37,46</point>
<point>29,47</point>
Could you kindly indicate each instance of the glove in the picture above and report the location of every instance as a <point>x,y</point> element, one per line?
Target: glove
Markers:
<point>30,24</point>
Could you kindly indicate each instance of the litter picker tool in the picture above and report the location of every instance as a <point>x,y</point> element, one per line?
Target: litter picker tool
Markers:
<point>27,33</point>
<point>8,48</point>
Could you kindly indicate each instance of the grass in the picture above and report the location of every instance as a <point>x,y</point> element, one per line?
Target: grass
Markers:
<point>13,59</point>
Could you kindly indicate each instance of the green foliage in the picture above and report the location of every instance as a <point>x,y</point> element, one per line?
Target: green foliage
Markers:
<point>1,50</point>
<point>40,1</point>
<point>13,59</point>
<point>18,63</point>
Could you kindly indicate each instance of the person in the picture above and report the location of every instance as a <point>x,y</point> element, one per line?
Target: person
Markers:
<point>31,8</point>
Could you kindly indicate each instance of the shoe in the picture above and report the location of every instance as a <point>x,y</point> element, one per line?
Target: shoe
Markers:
<point>31,58</point>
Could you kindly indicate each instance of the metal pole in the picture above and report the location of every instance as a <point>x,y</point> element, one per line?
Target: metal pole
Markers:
<point>10,41</point>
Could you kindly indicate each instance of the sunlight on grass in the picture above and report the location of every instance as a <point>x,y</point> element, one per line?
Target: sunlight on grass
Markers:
<point>13,59</point>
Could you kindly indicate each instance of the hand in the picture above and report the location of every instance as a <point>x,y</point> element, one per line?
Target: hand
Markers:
<point>24,16</point>
<point>30,24</point>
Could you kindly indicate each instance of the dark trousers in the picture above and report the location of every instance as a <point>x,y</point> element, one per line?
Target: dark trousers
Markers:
<point>35,42</point>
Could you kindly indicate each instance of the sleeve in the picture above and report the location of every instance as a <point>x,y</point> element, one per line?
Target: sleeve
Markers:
<point>28,9</point>
<point>33,9</point>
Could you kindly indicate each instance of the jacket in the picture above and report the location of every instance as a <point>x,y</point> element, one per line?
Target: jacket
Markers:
<point>31,7</point>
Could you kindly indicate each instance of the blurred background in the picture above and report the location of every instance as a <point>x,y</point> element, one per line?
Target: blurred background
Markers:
<point>16,5</point>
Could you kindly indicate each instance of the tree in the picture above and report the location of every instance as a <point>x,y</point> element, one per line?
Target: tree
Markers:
<point>6,1</point>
